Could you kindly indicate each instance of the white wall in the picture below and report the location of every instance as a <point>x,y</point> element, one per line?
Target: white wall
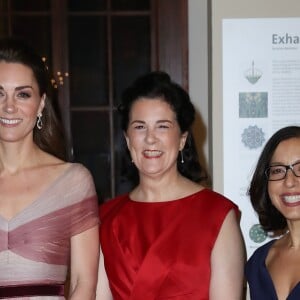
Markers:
<point>222,9</point>
<point>208,128</point>
<point>199,75</point>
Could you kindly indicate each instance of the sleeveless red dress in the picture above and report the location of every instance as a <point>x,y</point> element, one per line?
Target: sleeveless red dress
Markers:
<point>161,250</point>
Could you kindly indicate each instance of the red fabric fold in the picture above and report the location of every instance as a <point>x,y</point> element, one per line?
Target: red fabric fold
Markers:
<point>161,250</point>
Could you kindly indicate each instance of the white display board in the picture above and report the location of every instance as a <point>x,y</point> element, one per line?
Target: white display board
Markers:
<point>261,93</point>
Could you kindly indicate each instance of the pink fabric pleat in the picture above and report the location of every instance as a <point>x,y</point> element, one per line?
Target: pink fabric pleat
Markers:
<point>47,239</point>
<point>35,244</point>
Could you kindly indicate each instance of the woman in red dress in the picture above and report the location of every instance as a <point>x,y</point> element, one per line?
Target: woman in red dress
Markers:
<point>170,237</point>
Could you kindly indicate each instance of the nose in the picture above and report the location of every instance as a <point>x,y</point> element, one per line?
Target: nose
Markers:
<point>9,105</point>
<point>290,178</point>
<point>150,136</point>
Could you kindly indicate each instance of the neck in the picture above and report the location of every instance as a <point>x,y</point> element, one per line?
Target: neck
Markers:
<point>163,189</point>
<point>14,158</point>
<point>293,236</point>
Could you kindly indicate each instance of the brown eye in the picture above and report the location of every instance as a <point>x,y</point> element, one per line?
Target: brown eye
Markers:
<point>23,95</point>
<point>164,126</point>
<point>296,168</point>
<point>139,127</point>
<point>277,170</point>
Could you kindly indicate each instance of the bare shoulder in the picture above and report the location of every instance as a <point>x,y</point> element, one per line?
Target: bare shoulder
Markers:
<point>190,187</point>
<point>52,164</point>
<point>277,248</point>
<point>57,167</point>
<point>182,188</point>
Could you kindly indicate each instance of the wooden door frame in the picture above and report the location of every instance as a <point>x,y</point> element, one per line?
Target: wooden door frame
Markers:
<point>171,26</point>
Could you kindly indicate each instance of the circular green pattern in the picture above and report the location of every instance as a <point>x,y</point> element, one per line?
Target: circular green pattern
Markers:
<point>257,234</point>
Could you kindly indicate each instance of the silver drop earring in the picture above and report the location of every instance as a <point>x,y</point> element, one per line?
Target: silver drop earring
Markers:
<point>181,154</point>
<point>39,122</point>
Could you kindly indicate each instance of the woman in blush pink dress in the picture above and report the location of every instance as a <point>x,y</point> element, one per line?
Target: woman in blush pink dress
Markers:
<point>48,207</point>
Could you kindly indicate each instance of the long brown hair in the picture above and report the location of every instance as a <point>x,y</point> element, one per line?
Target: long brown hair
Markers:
<point>50,137</point>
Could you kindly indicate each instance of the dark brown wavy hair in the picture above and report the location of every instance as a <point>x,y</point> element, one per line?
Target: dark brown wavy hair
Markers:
<point>269,217</point>
<point>50,137</point>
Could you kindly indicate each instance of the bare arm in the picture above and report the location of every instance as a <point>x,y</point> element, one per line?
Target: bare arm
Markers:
<point>84,264</point>
<point>103,290</point>
<point>227,262</point>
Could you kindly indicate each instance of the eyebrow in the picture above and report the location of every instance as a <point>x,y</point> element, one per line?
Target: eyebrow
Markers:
<point>23,87</point>
<point>18,88</point>
<point>159,121</point>
<point>274,164</point>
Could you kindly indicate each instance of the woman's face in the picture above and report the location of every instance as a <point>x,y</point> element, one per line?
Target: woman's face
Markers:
<point>20,102</point>
<point>285,193</point>
<point>153,137</point>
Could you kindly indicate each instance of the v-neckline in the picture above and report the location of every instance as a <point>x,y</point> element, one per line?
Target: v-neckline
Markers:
<point>292,291</point>
<point>38,197</point>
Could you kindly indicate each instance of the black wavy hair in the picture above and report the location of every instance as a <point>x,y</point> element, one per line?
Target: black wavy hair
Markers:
<point>155,85</point>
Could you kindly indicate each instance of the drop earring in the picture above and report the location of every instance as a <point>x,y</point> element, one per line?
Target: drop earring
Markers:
<point>39,122</point>
<point>181,154</point>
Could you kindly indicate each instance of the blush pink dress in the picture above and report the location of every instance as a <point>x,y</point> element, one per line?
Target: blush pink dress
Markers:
<point>161,250</point>
<point>35,244</point>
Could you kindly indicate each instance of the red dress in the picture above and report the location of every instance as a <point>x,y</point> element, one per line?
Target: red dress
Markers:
<point>161,250</point>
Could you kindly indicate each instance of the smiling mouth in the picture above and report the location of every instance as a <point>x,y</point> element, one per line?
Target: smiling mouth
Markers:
<point>292,199</point>
<point>152,153</point>
<point>10,121</point>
